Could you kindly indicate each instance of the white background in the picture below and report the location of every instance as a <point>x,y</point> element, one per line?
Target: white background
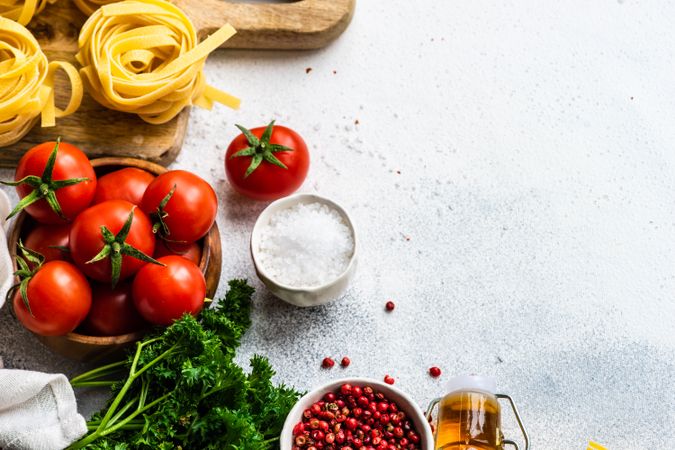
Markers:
<point>534,141</point>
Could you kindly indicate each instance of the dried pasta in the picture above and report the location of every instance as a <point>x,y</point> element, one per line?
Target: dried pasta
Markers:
<point>89,6</point>
<point>22,11</point>
<point>143,57</point>
<point>27,84</point>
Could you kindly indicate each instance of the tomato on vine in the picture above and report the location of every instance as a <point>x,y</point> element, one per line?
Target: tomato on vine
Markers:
<point>51,298</point>
<point>182,205</point>
<point>111,241</point>
<point>267,163</point>
<point>55,182</point>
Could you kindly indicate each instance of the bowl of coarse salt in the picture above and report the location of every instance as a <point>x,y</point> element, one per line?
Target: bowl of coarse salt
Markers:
<point>304,249</point>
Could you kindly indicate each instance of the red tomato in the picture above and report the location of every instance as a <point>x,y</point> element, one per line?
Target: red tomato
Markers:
<point>191,251</point>
<point>126,184</point>
<point>86,238</point>
<point>269,180</point>
<point>163,294</point>
<point>112,312</point>
<point>70,163</point>
<point>59,297</point>
<point>44,238</point>
<point>191,210</point>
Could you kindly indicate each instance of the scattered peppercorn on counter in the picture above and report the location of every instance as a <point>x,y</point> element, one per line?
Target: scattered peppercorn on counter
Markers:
<point>432,246</point>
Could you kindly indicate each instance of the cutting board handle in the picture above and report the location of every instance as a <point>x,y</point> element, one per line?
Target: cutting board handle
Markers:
<point>304,24</point>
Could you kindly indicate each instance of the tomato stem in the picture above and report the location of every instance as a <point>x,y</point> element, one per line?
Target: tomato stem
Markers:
<point>44,187</point>
<point>160,227</point>
<point>115,247</point>
<point>25,273</point>
<point>260,149</point>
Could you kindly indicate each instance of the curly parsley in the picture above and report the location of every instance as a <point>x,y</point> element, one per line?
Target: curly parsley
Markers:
<point>182,389</point>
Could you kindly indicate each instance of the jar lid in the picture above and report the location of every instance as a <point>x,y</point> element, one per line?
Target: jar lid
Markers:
<point>471,383</point>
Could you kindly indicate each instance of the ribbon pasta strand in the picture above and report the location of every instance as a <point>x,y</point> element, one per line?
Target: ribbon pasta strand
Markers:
<point>22,11</point>
<point>144,57</point>
<point>27,84</point>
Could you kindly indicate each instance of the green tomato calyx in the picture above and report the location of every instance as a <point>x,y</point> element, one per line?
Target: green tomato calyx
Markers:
<point>115,247</point>
<point>260,149</point>
<point>44,186</point>
<point>28,262</point>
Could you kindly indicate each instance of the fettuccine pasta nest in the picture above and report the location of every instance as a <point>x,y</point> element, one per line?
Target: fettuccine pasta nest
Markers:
<point>27,84</point>
<point>22,11</point>
<point>144,57</point>
<point>89,6</point>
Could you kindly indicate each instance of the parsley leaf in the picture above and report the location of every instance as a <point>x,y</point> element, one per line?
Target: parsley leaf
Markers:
<point>182,389</point>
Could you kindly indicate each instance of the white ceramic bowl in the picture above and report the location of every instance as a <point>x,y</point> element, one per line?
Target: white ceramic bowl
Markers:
<point>405,403</point>
<point>302,296</point>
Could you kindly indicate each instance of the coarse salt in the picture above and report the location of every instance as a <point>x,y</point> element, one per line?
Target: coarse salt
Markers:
<point>306,245</point>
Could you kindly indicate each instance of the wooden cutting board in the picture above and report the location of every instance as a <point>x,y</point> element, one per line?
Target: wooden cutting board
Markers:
<point>305,24</point>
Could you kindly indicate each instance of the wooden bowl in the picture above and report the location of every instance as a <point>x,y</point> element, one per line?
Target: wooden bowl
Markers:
<point>85,348</point>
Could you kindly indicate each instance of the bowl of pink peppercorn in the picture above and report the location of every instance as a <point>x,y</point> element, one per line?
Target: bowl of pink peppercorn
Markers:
<point>356,414</point>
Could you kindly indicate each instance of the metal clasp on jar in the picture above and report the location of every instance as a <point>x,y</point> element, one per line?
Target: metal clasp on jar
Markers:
<point>526,437</point>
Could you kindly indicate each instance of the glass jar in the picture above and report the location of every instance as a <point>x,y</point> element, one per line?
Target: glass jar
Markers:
<point>469,416</point>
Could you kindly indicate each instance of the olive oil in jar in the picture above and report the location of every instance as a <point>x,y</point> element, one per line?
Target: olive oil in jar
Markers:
<point>469,416</point>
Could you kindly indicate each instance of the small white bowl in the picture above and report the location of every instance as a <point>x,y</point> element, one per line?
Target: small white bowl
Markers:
<point>302,296</point>
<point>405,403</point>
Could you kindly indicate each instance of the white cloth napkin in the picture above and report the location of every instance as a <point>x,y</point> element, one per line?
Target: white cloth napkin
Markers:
<point>6,269</point>
<point>38,411</point>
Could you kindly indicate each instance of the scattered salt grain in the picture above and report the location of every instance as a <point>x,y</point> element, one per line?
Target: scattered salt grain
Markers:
<point>305,245</point>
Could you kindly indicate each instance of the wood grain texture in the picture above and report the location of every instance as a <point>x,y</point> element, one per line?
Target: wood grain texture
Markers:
<point>306,24</point>
<point>96,130</point>
<point>81,347</point>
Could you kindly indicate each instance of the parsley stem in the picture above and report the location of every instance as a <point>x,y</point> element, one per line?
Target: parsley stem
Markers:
<point>124,409</point>
<point>98,372</point>
<point>153,362</point>
<point>93,383</point>
<point>104,427</point>
<point>269,441</point>
<point>213,391</point>
<point>95,423</point>
<point>133,415</point>
<point>145,387</point>
<point>129,426</point>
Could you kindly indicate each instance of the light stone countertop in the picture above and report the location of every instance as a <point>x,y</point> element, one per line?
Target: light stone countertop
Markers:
<point>512,177</point>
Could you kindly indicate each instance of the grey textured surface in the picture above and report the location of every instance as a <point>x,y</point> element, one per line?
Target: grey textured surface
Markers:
<point>512,176</point>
